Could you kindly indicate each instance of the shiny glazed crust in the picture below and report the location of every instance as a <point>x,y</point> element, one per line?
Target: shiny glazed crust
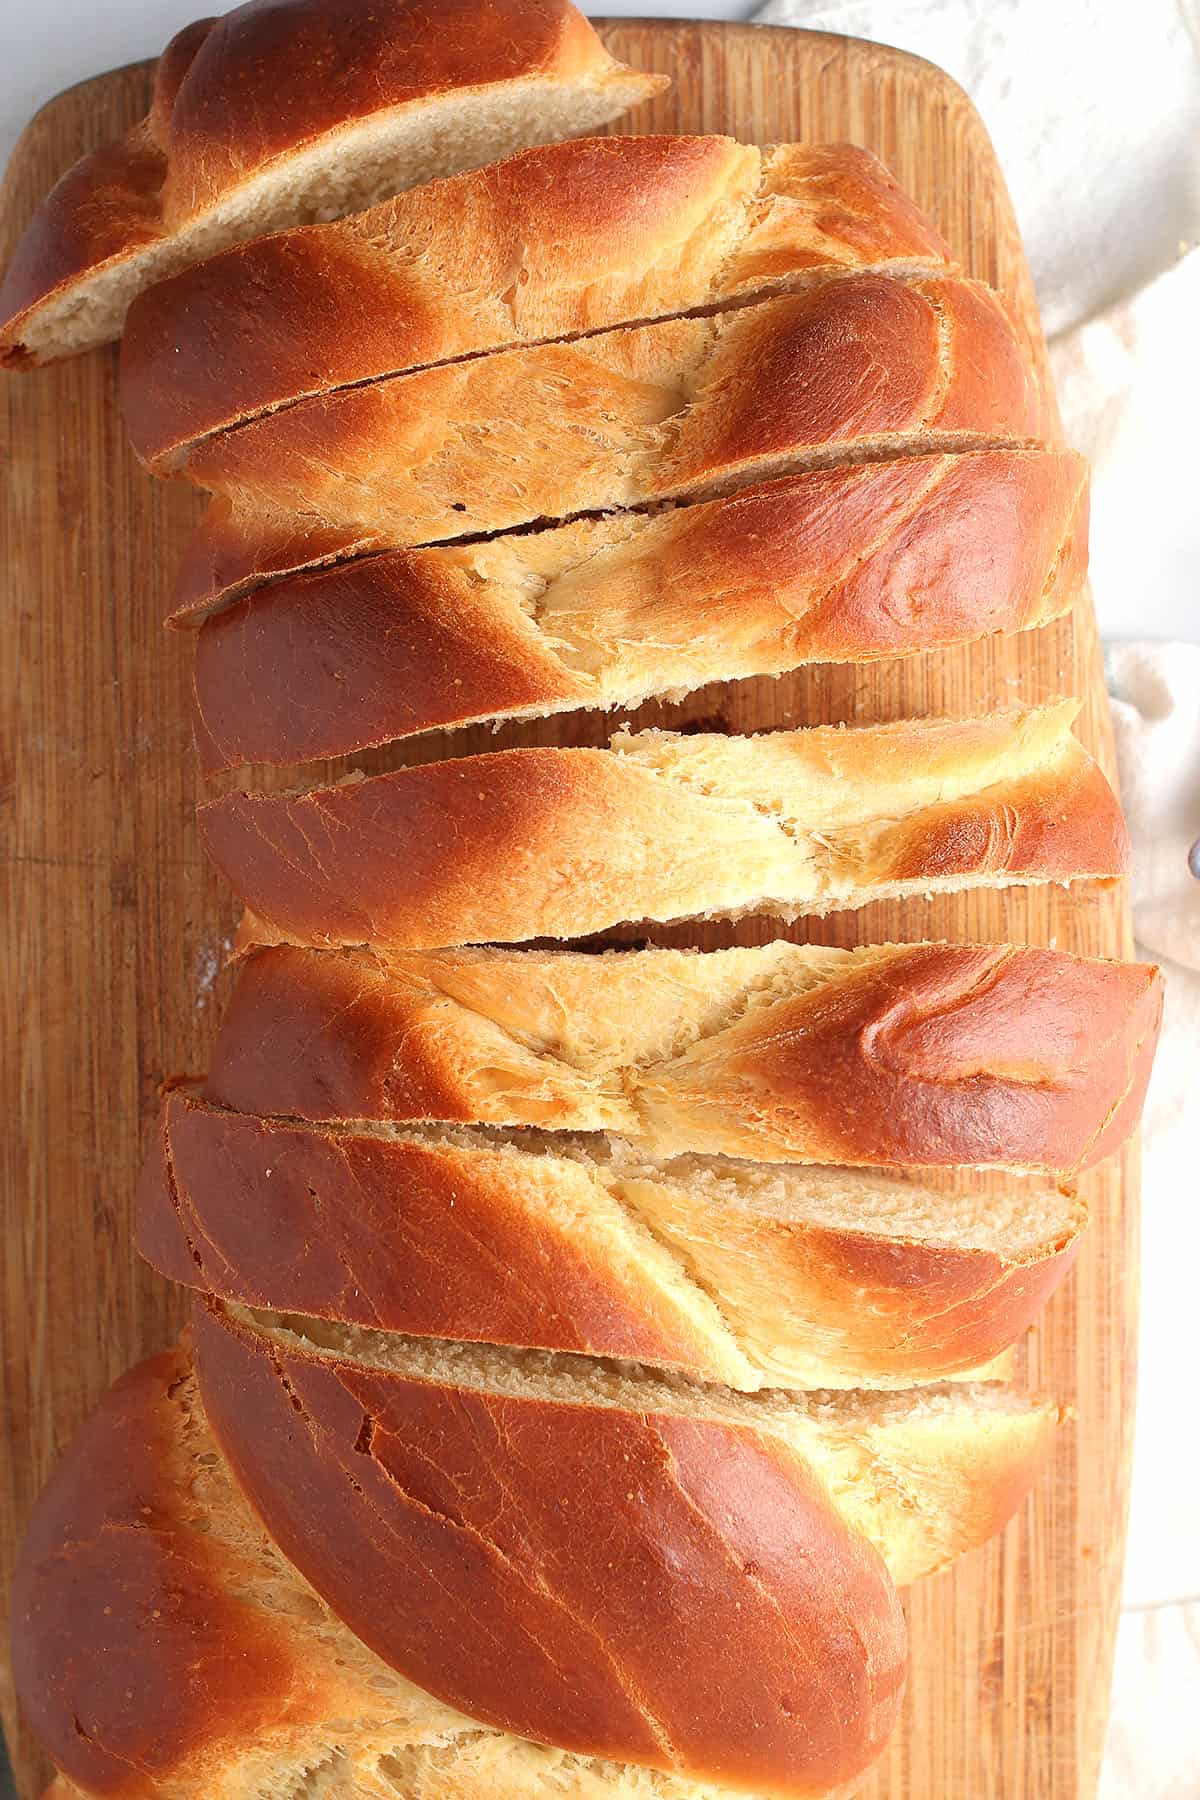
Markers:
<point>838,565</point>
<point>552,1606</point>
<point>144,1571</point>
<point>556,1589</point>
<point>918,1054</point>
<point>144,1575</point>
<point>509,846</point>
<point>559,240</point>
<point>851,369</point>
<point>553,1247</point>
<point>216,124</point>
<point>557,1599</point>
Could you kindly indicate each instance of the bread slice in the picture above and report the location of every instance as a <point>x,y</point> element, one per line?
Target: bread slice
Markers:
<point>848,371</point>
<point>557,241</point>
<point>520,844</point>
<point>839,565</point>
<point>910,1054</point>
<point>741,1273</point>
<point>891,1463</point>
<point>588,1550</point>
<point>144,1572</point>
<point>279,115</point>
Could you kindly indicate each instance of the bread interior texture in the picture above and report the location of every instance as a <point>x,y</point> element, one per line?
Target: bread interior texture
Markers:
<point>1019,1222</point>
<point>898,1465</point>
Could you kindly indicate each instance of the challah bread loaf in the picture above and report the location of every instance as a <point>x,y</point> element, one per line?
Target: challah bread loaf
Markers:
<point>910,1054</point>
<point>850,370</point>
<point>838,565</point>
<point>144,1573</point>
<point>283,114</point>
<point>538,1443</point>
<point>726,1271</point>
<point>559,240</point>
<point>521,844</point>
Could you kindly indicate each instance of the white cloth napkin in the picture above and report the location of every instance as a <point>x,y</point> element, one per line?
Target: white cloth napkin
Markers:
<point>1129,385</point>
<point>1153,1749</point>
<point>1094,108</point>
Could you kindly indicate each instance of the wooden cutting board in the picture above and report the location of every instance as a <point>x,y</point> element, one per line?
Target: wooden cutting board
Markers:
<point>114,929</point>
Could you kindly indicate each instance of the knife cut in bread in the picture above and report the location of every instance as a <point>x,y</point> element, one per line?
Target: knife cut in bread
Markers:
<point>727,1271</point>
<point>838,565</point>
<point>852,370</point>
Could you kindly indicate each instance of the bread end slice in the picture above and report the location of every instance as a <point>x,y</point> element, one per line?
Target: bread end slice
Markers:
<point>144,1572</point>
<point>408,93</point>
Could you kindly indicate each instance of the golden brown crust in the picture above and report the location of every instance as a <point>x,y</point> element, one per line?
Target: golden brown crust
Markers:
<point>836,565</point>
<point>428,1239</point>
<point>923,1474</point>
<point>165,1649</point>
<point>706,1612</point>
<point>1051,1053</point>
<point>514,845</point>
<point>114,1598</point>
<point>664,1264</point>
<point>106,207</point>
<point>560,240</point>
<point>845,371</point>
<point>340,63</point>
<point>910,1054</point>
<point>216,123</point>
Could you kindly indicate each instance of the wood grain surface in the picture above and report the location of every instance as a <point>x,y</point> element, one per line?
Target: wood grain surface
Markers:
<point>115,930</point>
